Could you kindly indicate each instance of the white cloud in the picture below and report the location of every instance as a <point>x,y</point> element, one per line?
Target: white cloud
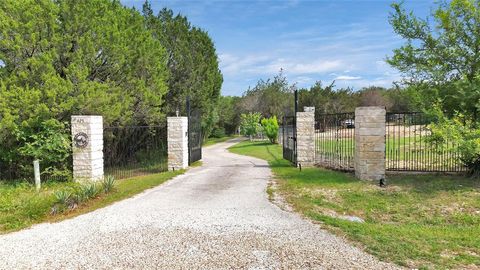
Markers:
<point>313,67</point>
<point>347,78</point>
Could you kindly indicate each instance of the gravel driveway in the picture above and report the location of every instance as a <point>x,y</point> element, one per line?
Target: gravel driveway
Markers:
<point>213,217</point>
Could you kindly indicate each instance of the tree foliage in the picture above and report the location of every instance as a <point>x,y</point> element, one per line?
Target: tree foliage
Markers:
<point>270,127</point>
<point>461,130</point>
<point>67,57</point>
<point>270,97</point>
<point>250,123</point>
<point>192,62</point>
<point>441,57</point>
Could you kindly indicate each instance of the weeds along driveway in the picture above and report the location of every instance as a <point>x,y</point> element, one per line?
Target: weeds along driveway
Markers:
<point>215,216</point>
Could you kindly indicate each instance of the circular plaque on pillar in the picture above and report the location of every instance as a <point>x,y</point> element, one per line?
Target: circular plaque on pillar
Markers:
<point>80,140</point>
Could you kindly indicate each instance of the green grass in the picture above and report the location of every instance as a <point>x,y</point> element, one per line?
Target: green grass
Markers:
<point>21,206</point>
<point>423,221</point>
<point>212,141</point>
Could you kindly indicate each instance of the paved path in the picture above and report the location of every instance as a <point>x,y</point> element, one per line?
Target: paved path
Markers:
<point>213,217</point>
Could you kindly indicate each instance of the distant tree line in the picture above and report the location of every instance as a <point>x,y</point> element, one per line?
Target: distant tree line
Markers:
<point>275,97</point>
<point>64,57</point>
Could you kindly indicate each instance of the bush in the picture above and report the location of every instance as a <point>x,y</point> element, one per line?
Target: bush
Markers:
<point>49,142</point>
<point>270,128</point>
<point>218,132</point>
<point>250,124</point>
<point>465,133</point>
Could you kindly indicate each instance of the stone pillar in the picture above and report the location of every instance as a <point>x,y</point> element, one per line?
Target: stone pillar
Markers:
<point>87,140</point>
<point>306,137</point>
<point>177,129</point>
<point>370,143</point>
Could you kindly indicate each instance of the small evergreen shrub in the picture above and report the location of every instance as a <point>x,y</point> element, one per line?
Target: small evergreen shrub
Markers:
<point>270,128</point>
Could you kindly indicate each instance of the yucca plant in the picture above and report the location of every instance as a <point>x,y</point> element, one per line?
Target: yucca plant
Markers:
<point>63,197</point>
<point>89,190</point>
<point>108,183</point>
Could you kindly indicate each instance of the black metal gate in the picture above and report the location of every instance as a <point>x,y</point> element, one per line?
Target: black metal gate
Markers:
<point>194,134</point>
<point>289,142</point>
<point>289,135</point>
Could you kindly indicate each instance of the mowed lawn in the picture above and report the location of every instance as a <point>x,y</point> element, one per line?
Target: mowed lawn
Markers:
<point>21,206</point>
<point>423,221</point>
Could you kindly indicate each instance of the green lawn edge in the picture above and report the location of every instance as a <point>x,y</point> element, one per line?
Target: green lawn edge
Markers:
<point>405,237</point>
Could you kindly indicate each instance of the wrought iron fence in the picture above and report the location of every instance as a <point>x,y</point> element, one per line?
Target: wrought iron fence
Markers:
<point>289,140</point>
<point>409,146</point>
<point>335,141</point>
<point>135,150</point>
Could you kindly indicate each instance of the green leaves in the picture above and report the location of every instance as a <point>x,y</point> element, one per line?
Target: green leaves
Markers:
<point>67,57</point>
<point>270,127</point>
<point>441,57</point>
<point>192,62</point>
<point>250,124</point>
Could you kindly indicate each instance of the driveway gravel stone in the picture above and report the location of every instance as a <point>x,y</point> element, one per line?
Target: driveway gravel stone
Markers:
<point>216,216</point>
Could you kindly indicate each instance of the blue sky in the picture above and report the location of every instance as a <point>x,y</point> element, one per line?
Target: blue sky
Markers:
<point>345,41</point>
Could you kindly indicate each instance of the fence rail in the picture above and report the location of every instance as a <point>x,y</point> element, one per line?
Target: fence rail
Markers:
<point>335,141</point>
<point>409,146</point>
<point>135,150</point>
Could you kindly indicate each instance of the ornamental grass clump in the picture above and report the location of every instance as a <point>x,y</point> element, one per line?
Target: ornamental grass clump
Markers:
<point>69,199</point>
<point>108,183</point>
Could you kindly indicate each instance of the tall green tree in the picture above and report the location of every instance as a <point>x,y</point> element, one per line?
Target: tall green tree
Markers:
<point>441,56</point>
<point>192,62</point>
<point>69,57</point>
<point>327,99</point>
<point>271,97</point>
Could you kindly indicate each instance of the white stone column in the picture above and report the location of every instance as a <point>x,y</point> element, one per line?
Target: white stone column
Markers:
<point>370,143</point>
<point>177,129</point>
<point>87,140</point>
<point>306,137</point>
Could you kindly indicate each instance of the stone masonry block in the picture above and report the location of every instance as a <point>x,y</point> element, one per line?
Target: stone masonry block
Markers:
<point>306,137</point>
<point>87,137</point>
<point>370,143</point>
<point>177,137</point>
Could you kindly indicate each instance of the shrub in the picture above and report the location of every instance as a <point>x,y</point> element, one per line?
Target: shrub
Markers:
<point>49,142</point>
<point>464,132</point>
<point>108,183</point>
<point>270,128</point>
<point>218,132</point>
<point>250,124</point>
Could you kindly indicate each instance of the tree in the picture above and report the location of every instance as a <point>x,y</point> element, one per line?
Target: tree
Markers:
<point>441,58</point>
<point>192,62</point>
<point>68,57</point>
<point>229,118</point>
<point>327,99</point>
<point>270,97</point>
<point>250,124</point>
<point>374,96</point>
<point>270,126</point>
